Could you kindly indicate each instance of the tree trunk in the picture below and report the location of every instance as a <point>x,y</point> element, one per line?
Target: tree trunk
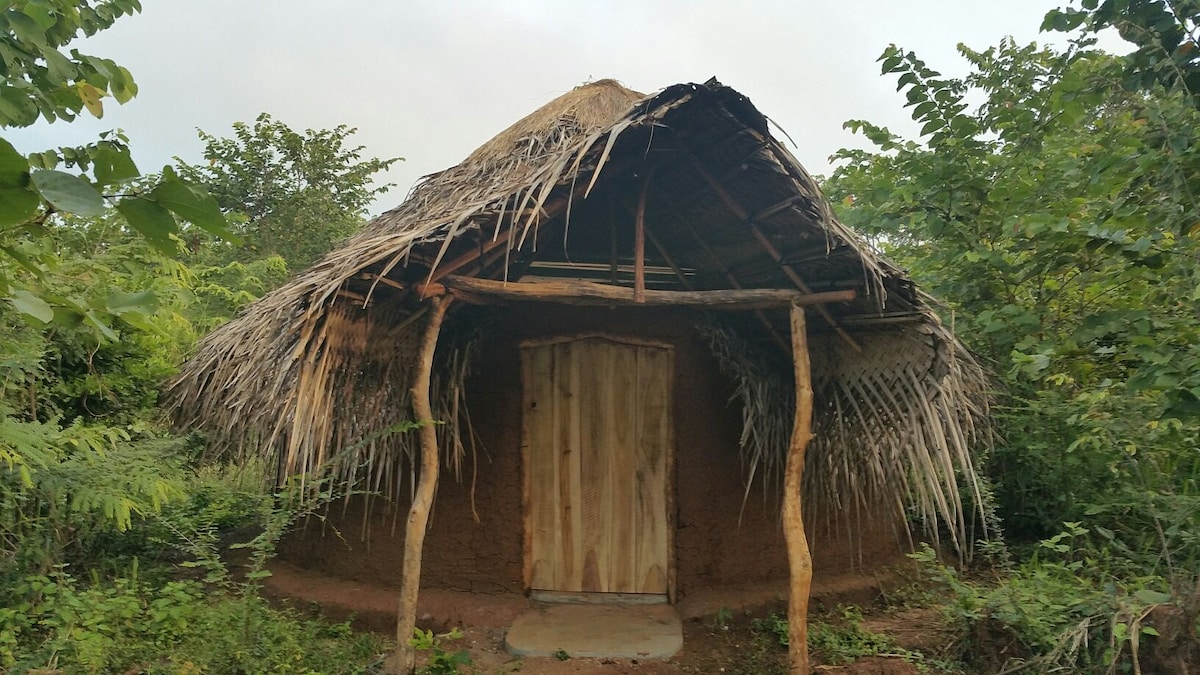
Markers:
<point>418,514</point>
<point>799,559</point>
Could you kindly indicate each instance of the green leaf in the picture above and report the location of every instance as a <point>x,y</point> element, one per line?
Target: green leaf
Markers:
<point>1152,597</point>
<point>932,126</point>
<point>60,67</point>
<point>141,302</point>
<point>41,13</point>
<point>17,206</point>
<point>26,29</point>
<point>113,165</point>
<point>69,193</point>
<point>14,168</point>
<point>906,79</point>
<point>154,222</point>
<point>16,107</point>
<point>100,325</point>
<point>23,259</point>
<point>31,305</point>
<point>122,85</point>
<point>190,203</point>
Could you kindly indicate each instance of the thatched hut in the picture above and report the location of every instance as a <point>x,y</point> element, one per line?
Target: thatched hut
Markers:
<point>622,383</point>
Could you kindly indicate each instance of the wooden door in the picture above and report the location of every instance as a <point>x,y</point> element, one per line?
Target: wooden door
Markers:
<point>598,440</point>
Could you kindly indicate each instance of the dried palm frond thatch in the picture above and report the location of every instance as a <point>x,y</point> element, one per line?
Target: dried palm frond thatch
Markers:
<point>897,421</point>
<point>324,363</point>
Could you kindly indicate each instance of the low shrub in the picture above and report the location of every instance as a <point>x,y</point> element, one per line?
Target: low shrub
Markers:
<point>125,625</point>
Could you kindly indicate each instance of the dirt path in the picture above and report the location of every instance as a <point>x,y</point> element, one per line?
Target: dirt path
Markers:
<point>716,623</point>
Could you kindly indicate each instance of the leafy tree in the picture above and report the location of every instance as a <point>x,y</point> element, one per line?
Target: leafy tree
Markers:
<point>1051,201</point>
<point>85,301</point>
<point>94,312</point>
<point>41,82</point>
<point>1165,34</point>
<point>1057,216</point>
<point>292,194</point>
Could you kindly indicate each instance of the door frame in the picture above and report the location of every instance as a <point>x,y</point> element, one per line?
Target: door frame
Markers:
<point>669,468</point>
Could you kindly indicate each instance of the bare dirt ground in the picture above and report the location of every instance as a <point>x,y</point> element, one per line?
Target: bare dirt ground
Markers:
<point>717,625</point>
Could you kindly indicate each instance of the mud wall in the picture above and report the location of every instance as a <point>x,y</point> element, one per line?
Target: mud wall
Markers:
<point>722,537</point>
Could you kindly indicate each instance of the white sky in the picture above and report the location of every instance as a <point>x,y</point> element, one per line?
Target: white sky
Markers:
<point>430,81</point>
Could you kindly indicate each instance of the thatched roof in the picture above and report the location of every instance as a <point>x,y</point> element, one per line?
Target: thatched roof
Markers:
<point>315,372</point>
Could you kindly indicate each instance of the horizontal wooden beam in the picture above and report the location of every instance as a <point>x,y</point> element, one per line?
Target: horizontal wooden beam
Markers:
<point>574,292</point>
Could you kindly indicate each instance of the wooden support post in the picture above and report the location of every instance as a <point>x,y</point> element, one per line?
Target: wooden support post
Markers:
<point>639,243</point>
<point>613,262</point>
<point>799,557</point>
<point>418,514</point>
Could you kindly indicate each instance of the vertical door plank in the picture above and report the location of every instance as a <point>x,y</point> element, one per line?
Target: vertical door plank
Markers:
<point>623,467</point>
<point>652,448</point>
<point>576,404</point>
<point>594,479</point>
<point>540,407</point>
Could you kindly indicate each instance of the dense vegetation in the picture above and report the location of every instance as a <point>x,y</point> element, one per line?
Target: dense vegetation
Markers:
<point>1050,201</point>
<point>109,525</point>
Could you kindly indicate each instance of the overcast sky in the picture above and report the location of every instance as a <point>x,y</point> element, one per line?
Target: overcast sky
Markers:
<point>430,81</point>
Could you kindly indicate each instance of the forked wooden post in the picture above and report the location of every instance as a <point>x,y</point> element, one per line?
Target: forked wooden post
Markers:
<point>418,514</point>
<point>799,558</point>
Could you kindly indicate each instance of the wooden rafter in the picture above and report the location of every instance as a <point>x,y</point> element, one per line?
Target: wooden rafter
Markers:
<point>791,273</point>
<point>891,317</point>
<point>721,267</point>
<point>776,208</point>
<point>376,279</point>
<point>666,256</point>
<point>734,169</point>
<point>468,257</point>
<point>729,278</point>
<point>552,209</point>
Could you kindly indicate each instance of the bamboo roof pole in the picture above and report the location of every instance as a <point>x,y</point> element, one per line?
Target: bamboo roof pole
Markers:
<point>613,267</point>
<point>418,513</point>
<point>744,216</point>
<point>666,256</point>
<point>468,257</point>
<point>799,556</point>
<point>639,241</point>
<point>762,318</point>
<point>655,242</point>
<point>550,210</point>
<point>724,270</point>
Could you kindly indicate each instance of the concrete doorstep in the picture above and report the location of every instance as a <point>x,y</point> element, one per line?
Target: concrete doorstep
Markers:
<point>597,631</point>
